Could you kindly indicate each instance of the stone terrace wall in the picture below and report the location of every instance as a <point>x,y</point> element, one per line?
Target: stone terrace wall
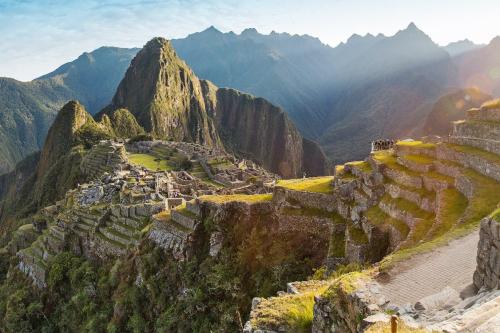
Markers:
<point>487,272</point>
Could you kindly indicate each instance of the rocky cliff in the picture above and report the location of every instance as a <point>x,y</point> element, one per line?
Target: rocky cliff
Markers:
<point>170,102</point>
<point>255,128</point>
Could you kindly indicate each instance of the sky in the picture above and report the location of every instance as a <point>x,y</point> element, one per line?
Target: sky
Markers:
<point>37,36</point>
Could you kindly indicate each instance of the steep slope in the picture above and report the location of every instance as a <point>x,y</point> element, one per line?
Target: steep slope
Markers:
<point>27,109</point>
<point>481,68</point>
<point>165,96</point>
<point>170,102</point>
<point>452,107</point>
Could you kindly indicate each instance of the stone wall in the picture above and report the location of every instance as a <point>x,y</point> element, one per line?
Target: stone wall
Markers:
<point>487,274</point>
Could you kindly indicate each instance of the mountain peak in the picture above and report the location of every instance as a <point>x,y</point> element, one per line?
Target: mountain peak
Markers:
<point>249,32</point>
<point>412,26</point>
<point>212,30</point>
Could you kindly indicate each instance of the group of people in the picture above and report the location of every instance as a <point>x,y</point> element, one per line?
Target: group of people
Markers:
<point>382,144</point>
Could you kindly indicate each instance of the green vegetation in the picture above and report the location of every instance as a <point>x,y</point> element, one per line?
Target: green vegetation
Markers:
<point>453,207</point>
<point>295,311</point>
<point>362,165</point>
<point>420,159</point>
<point>150,162</point>
<point>389,159</point>
<point>358,236</point>
<point>378,217</point>
<point>496,215</point>
<point>416,144</point>
<point>336,248</point>
<point>315,184</point>
<point>247,198</point>
<point>475,152</point>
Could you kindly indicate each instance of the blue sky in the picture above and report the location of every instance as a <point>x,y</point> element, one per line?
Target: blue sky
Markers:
<point>39,35</point>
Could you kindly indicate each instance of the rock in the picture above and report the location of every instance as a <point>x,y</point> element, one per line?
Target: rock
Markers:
<point>442,300</point>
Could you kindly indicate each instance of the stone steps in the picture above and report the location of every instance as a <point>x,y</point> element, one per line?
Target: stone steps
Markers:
<point>404,210</point>
<point>57,232</point>
<point>125,229</point>
<point>492,146</point>
<point>110,241</point>
<point>416,163</point>
<point>116,236</point>
<point>486,130</point>
<point>403,177</point>
<point>425,202</point>
<point>479,160</point>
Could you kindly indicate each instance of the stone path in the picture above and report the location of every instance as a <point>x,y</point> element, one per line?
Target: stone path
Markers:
<point>427,274</point>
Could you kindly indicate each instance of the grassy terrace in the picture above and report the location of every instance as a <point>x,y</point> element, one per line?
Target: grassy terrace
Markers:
<point>484,202</point>
<point>416,144</point>
<point>150,162</point>
<point>420,159</point>
<point>253,198</point>
<point>475,152</point>
<point>315,184</point>
<point>421,191</point>
<point>389,159</point>
<point>379,217</point>
<point>453,207</point>
<point>362,165</point>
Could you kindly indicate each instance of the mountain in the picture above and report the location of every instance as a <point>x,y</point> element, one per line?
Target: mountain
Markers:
<point>452,107</point>
<point>387,91</point>
<point>462,46</point>
<point>93,76</point>
<point>289,71</point>
<point>481,68</point>
<point>27,109</point>
<point>170,102</point>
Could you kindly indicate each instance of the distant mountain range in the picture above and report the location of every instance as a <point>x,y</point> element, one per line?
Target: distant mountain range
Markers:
<point>343,97</point>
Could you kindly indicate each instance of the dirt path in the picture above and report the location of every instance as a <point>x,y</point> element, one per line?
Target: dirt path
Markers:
<point>426,274</point>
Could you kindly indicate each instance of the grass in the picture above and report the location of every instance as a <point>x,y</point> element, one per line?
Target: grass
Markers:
<point>295,311</point>
<point>247,198</point>
<point>358,236</point>
<point>315,184</point>
<point>423,192</point>
<point>162,216</point>
<point>336,247</point>
<point>496,215</point>
<point>419,159</point>
<point>416,144</point>
<point>148,161</point>
<point>484,202</point>
<point>408,206</point>
<point>387,158</point>
<point>441,177</point>
<point>362,165</point>
<point>453,207</point>
<point>491,157</point>
<point>379,217</point>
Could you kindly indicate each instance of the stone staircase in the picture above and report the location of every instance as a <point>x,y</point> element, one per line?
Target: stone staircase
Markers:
<point>103,157</point>
<point>34,260</point>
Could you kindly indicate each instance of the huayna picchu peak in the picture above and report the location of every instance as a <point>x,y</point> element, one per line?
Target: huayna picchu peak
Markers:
<point>185,186</point>
<point>170,102</point>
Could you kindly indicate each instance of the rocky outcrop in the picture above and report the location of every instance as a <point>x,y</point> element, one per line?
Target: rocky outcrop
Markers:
<point>487,274</point>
